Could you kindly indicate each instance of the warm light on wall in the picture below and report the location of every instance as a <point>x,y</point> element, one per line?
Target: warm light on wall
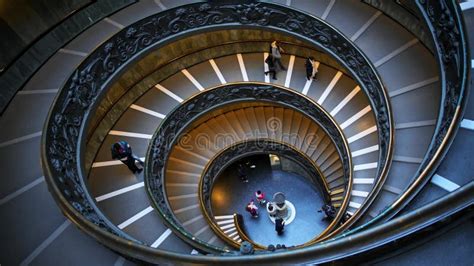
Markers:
<point>218,197</point>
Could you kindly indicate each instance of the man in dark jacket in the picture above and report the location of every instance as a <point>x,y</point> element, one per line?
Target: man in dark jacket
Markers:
<point>309,68</point>
<point>122,151</point>
<point>279,225</point>
<point>271,66</point>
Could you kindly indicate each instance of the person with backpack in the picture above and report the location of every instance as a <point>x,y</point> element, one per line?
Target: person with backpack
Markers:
<point>122,151</point>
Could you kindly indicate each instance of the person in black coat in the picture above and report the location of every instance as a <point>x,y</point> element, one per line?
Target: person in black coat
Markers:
<point>242,170</point>
<point>271,66</point>
<point>122,151</point>
<point>329,211</point>
<point>309,68</point>
<point>279,225</point>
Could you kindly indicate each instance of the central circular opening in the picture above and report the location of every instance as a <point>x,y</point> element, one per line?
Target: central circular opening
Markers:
<point>268,187</point>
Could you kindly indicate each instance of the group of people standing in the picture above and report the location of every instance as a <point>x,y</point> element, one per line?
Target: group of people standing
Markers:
<point>275,65</point>
<point>252,208</point>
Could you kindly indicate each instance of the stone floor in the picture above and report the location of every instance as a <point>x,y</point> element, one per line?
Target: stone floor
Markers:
<point>231,195</point>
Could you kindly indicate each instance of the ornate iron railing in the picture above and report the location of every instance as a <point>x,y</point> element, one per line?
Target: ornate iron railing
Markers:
<point>66,126</point>
<point>177,121</point>
<point>444,20</point>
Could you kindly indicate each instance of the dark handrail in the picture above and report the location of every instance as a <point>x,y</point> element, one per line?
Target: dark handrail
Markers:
<point>239,225</point>
<point>183,116</point>
<point>63,141</point>
<point>400,228</point>
<point>297,49</point>
<point>447,28</point>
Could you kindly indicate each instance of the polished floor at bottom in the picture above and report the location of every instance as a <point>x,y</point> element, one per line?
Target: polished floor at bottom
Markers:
<point>231,195</point>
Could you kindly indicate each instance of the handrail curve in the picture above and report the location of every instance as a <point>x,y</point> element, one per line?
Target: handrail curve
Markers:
<point>447,27</point>
<point>183,116</point>
<point>66,125</point>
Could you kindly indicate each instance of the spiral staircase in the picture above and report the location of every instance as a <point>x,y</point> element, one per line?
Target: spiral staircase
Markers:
<point>387,129</point>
